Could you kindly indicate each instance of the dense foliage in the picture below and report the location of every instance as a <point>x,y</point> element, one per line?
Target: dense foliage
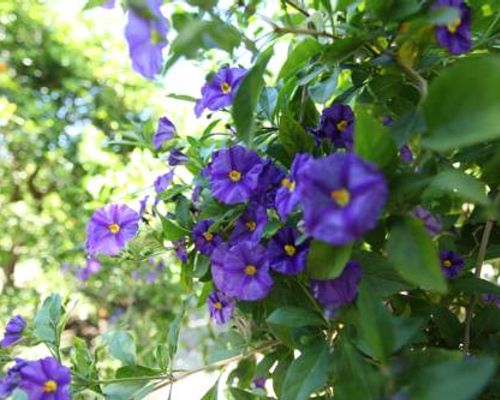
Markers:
<point>336,214</point>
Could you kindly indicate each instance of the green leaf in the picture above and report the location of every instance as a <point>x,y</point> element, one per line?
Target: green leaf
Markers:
<point>456,379</point>
<point>47,319</point>
<point>373,141</point>
<point>325,261</point>
<point>448,325</point>
<point>375,323</point>
<point>172,231</point>
<point>173,333</point>
<point>299,56</point>
<point>456,182</point>
<point>323,90</point>
<point>294,317</point>
<point>473,285</point>
<point>294,137</point>
<point>245,100</point>
<point>443,15</point>
<point>414,255</point>
<point>212,393</point>
<point>127,390</point>
<point>121,346</point>
<point>82,360</point>
<point>472,117</point>
<point>307,373</point>
<point>341,49</point>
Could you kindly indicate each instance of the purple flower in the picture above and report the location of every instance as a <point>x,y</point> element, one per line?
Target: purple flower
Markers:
<point>244,271</point>
<point>431,222</point>
<point>250,225</point>
<point>492,298</point>
<point>234,174</point>
<point>177,157</point>
<point>180,250</point>
<point>342,197</point>
<point>163,181</point>
<point>143,204</point>
<point>151,277</point>
<point>136,275</point>
<point>115,315</point>
<point>146,34</point>
<point>109,4</point>
<point>110,228</point>
<point>217,262</point>
<point>386,120</point>
<point>46,379</point>
<point>220,91</point>
<point>334,293</point>
<point>195,196</point>
<point>65,267</point>
<point>221,307</point>
<point>259,382</point>
<point>456,36</point>
<point>160,266</point>
<point>12,378</point>
<point>164,132</point>
<point>13,331</point>
<point>451,263</point>
<point>405,154</point>
<point>269,182</point>
<point>337,125</point>
<point>287,197</point>
<point>204,241</point>
<point>285,255</point>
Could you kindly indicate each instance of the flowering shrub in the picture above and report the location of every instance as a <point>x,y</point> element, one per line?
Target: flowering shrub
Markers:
<point>338,225</point>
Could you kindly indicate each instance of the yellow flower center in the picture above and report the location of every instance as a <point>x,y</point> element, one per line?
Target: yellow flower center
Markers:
<point>225,87</point>
<point>250,270</point>
<point>447,263</point>
<point>251,225</point>
<point>235,176</point>
<point>114,228</point>
<point>453,26</point>
<point>341,197</point>
<point>208,236</point>
<point>289,184</point>
<point>342,125</point>
<point>289,250</point>
<point>218,305</point>
<point>50,386</point>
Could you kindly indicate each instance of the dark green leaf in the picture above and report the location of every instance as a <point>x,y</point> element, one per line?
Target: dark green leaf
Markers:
<point>414,255</point>
<point>299,56</point>
<point>294,137</point>
<point>295,317</point>
<point>247,96</point>
<point>307,373</point>
<point>470,284</point>
<point>323,90</point>
<point>472,117</point>
<point>325,261</point>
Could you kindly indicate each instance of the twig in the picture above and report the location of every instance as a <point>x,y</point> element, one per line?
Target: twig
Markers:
<point>311,32</point>
<point>216,365</point>
<point>478,267</point>
<point>295,6</point>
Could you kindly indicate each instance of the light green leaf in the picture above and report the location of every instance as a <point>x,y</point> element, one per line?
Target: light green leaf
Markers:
<point>121,346</point>
<point>299,57</point>
<point>246,98</point>
<point>326,261</point>
<point>47,319</point>
<point>462,106</point>
<point>414,255</point>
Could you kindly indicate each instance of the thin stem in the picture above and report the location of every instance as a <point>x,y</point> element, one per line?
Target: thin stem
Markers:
<point>297,31</point>
<point>478,267</point>
<point>296,7</point>
<point>216,365</point>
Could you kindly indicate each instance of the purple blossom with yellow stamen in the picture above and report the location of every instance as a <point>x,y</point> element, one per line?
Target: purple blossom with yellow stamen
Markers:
<point>46,379</point>
<point>337,125</point>
<point>110,228</point>
<point>451,263</point>
<point>234,174</point>
<point>242,271</point>
<point>269,182</point>
<point>456,36</point>
<point>285,254</point>
<point>220,91</point>
<point>13,331</point>
<point>342,197</point>
<point>221,307</point>
<point>146,34</point>
<point>204,240</point>
<point>250,225</point>
<point>287,196</point>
